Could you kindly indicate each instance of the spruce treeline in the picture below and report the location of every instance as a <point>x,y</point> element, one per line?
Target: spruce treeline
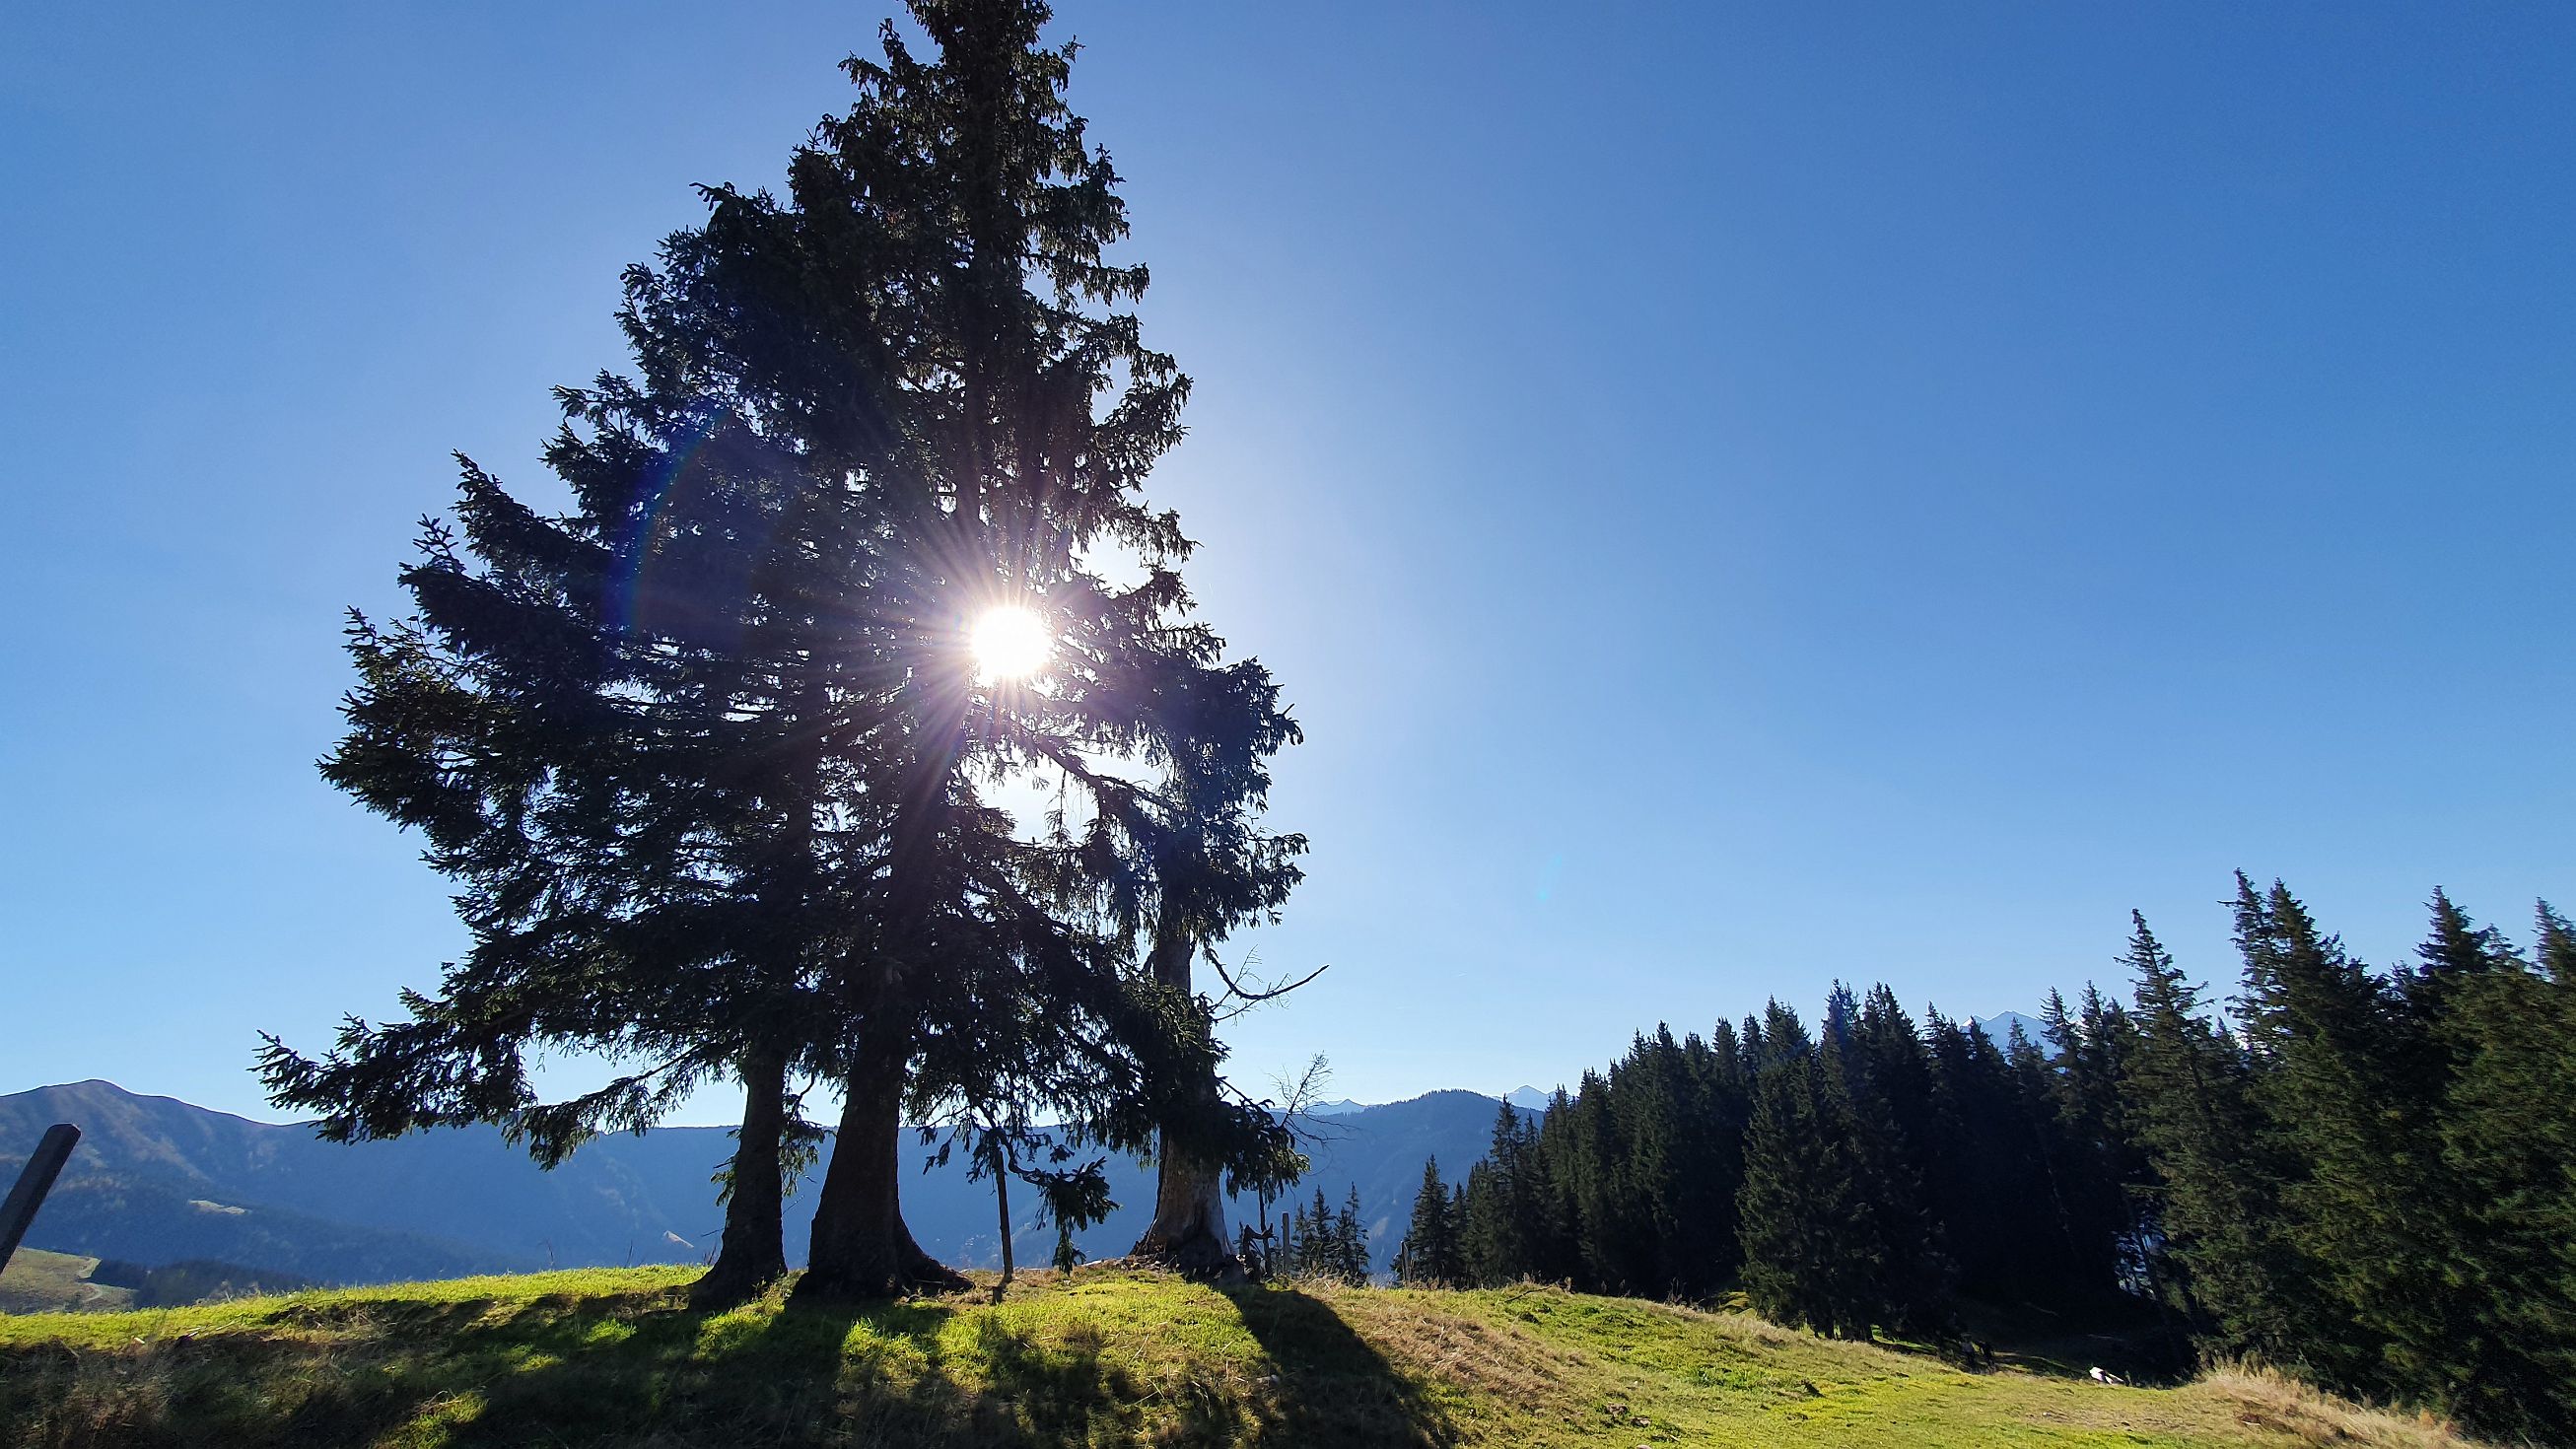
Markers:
<point>2367,1176</point>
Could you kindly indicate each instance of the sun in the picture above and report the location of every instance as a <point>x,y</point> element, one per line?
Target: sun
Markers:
<point>1008,642</point>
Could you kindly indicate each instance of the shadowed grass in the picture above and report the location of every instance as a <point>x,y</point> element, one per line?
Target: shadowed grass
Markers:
<point>1107,1356</point>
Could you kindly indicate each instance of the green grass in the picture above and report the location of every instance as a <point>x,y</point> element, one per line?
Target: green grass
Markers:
<point>1108,1356</point>
<point>40,1282</point>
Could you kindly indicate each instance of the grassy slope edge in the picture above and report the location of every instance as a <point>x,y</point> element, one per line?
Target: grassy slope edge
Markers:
<point>40,1282</point>
<point>1108,1356</point>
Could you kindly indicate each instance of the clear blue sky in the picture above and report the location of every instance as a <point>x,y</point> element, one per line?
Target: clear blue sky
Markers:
<point>1740,496</point>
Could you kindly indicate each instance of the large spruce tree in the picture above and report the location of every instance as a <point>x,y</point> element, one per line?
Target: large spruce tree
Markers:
<point>711,753</point>
<point>606,734</point>
<point>1214,730</point>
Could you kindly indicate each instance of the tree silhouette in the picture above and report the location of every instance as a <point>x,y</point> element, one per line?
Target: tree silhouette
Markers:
<point>710,754</point>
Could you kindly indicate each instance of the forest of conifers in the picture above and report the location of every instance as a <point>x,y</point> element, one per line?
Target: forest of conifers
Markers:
<point>2361,1174</point>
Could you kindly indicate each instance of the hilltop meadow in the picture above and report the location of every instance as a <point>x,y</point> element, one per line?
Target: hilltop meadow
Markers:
<point>1106,1355</point>
<point>817,712</point>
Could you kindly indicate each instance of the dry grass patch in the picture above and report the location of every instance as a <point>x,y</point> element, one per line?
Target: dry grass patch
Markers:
<point>2265,1398</point>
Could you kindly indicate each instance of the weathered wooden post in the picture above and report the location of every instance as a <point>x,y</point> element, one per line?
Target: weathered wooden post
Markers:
<point>34,1182</point>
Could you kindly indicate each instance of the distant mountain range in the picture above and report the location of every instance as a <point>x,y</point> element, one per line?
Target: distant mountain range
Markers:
<point>1528,1099</point>
<point>158,1181</point>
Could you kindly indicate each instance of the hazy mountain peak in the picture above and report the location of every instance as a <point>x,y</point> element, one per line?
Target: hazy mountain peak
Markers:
<point>1998,1027</point>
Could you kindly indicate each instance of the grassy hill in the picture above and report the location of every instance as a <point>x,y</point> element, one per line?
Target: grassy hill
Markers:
<point>40,1282</point>
<point>1108,1356</point>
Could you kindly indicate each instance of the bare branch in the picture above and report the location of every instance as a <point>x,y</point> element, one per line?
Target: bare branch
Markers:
<point>1239,999</point>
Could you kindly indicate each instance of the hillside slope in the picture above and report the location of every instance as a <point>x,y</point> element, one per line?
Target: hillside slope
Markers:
<point>40,1282</point>
<point>611,1358</point>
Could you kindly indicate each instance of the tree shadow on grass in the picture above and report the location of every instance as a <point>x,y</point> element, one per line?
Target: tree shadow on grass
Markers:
<point>646,1368</point>
<point>887,1372</point>
<point>1332,1388</point>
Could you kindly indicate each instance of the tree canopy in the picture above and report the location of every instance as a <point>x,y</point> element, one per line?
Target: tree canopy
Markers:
<point>710,755</point>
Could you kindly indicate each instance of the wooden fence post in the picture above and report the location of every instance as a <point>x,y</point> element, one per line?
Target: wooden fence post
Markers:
<point>34,1182</point>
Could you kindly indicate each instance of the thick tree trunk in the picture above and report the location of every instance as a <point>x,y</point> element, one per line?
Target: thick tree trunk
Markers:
<point>861,1248</point>
<point>752,1255</point>
<point>1188,1231</point>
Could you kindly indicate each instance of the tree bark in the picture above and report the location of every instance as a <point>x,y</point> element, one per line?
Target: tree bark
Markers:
<point>1188,1231</point>
<point>861,1249</point>
<point>752,1254</point>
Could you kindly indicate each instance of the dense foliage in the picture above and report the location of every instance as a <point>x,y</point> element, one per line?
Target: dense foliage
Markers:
<point>2367,1175</point>
<point>709,755</point>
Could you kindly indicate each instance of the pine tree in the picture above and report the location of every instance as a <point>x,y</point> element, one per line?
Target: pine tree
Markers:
<point>1804,1263</point>
<point>2508,1135</point>
<point>1887,1079</point>
<point>2457,952</point>
<point>2556,951</point>
<point>1319,1249</point>
<point>619,777</point>
<point>2342,1119</point>
<point>1606,1212</point>
<point>2100,1164</point>
<point>1215,730</point>
<point>2076,1207</point>
<point>1714,1251</point>
<point>970,403</point>
<point>1429,1256</point>
<point>1550,1191</point>
<point>2218,1199</point>
<point>1502,1211</point>
<point>1351,1239</point>
<point>1292,1245</point>
<point>707,751</point>
<point>1978,1176</point>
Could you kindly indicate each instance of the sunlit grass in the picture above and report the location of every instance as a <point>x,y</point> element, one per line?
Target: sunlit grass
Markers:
<point>614,1357</point>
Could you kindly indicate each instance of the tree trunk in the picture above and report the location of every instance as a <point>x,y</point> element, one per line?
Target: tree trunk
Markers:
<point>752,1255</point>
<point>861,1248</point>
<point>1002,1205</point>
<point>1188,1231</point>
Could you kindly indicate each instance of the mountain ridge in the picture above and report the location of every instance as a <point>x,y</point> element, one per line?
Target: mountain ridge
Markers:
<point>158,1179</point>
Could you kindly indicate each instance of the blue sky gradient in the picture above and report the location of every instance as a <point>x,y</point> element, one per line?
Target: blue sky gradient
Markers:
<point>1739,496</point>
